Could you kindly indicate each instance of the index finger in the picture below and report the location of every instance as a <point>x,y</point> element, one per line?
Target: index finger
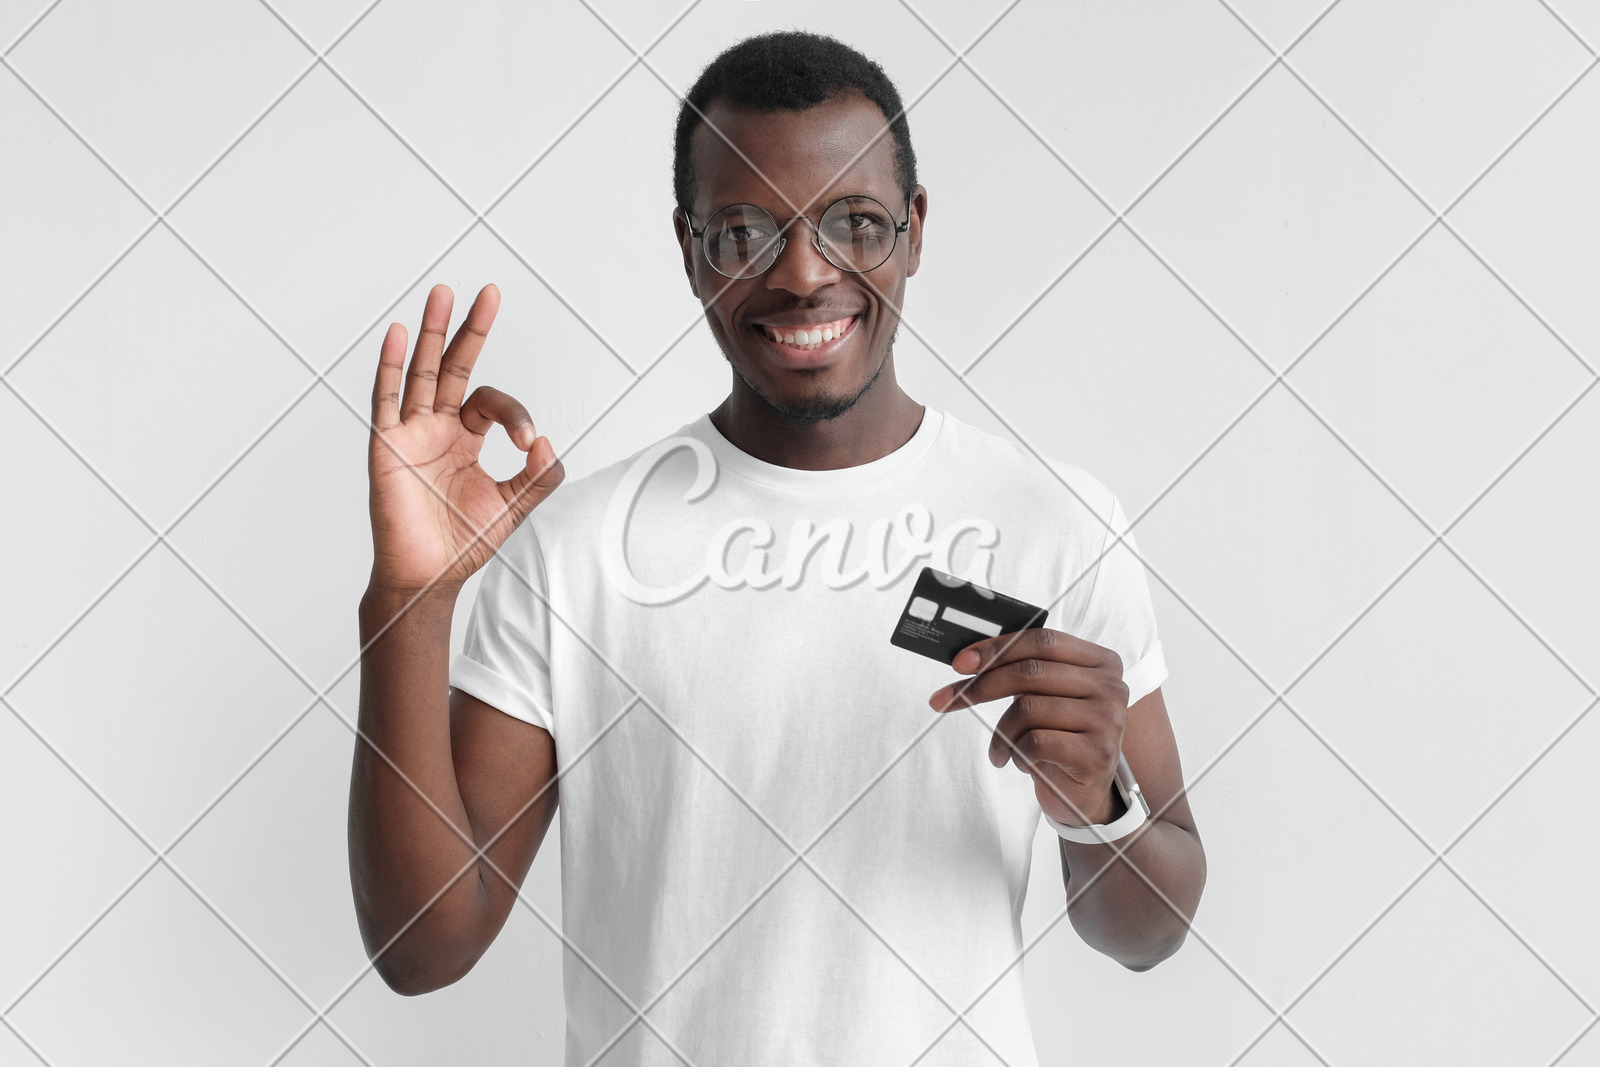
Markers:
<point>423,376</point>
<point>1039,642</point>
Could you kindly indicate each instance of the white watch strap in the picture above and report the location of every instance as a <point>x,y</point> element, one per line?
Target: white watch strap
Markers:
<point>1100,833</point>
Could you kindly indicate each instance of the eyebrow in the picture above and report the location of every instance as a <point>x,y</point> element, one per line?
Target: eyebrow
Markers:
<point>822,202</point>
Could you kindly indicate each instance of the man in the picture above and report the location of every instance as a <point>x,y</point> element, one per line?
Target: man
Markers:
<point>777,846</point>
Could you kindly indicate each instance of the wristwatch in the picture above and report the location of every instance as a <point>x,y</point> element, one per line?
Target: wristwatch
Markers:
<point>1137,813</point>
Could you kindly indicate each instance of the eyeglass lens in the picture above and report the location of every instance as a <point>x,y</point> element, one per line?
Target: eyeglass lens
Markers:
<point>857,234</point>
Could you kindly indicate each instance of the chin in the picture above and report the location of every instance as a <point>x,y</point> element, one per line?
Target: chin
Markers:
<point>809,408</point>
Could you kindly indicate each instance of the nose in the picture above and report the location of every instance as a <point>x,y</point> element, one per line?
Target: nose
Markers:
<point>801,268</point>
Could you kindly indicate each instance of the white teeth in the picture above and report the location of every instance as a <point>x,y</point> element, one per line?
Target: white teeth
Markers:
<point>808,338</point>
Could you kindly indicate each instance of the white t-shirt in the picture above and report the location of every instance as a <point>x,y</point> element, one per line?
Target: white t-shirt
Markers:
<point>712,685</point>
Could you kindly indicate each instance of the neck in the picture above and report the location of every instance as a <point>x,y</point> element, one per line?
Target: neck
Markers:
<point>882,420</point>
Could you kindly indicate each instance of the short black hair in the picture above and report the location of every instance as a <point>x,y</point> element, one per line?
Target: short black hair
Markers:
<point>792,70</point>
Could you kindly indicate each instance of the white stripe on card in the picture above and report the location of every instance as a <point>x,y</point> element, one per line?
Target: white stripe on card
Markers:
<point>971,622</point>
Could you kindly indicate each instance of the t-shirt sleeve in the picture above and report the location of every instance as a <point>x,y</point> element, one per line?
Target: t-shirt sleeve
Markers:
<point>505,656</point>
<point>1119,614</point>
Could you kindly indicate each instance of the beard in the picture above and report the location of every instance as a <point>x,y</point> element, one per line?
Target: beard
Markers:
<point>813,409</point>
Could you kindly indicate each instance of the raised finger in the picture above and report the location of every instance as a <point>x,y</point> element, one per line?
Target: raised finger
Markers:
<point>459,358</point>
<point>488,405</point>
<point>1043,676</point>
<point>424,373</point>
<point>1039,642</point>
<point>391,367</point>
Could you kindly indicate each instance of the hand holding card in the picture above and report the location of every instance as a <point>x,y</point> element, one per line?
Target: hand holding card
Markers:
<point>1064,726</point>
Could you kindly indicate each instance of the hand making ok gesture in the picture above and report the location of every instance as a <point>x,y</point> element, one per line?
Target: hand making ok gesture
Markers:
<point>436,514</point>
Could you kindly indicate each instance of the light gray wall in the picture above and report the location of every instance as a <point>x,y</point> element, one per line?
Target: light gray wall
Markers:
<point>1338,358</point>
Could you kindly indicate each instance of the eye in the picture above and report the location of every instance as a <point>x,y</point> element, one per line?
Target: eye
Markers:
<point>858,226</point>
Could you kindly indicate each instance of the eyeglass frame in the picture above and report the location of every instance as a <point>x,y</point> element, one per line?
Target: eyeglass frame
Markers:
<point>783,239</point>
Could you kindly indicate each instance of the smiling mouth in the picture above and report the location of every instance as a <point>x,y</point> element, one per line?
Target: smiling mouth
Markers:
<point>810,337</point>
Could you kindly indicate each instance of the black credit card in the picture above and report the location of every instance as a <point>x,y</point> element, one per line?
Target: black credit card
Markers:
<point>946,614</point>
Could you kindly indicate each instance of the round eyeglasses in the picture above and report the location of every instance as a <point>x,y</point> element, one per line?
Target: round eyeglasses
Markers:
<point>856,234</point>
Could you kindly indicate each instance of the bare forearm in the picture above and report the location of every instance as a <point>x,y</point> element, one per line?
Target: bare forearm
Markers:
<point>402,853</point>
<point>1116,912</point>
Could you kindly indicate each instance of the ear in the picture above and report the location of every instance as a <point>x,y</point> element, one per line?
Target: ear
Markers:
<point>680,225</point>
<point>919,212</point>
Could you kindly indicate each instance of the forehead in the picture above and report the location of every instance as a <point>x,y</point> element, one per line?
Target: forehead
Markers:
<point>805,154</point>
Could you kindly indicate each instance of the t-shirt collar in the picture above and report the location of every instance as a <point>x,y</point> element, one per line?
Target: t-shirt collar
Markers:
<point>734,460</point>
